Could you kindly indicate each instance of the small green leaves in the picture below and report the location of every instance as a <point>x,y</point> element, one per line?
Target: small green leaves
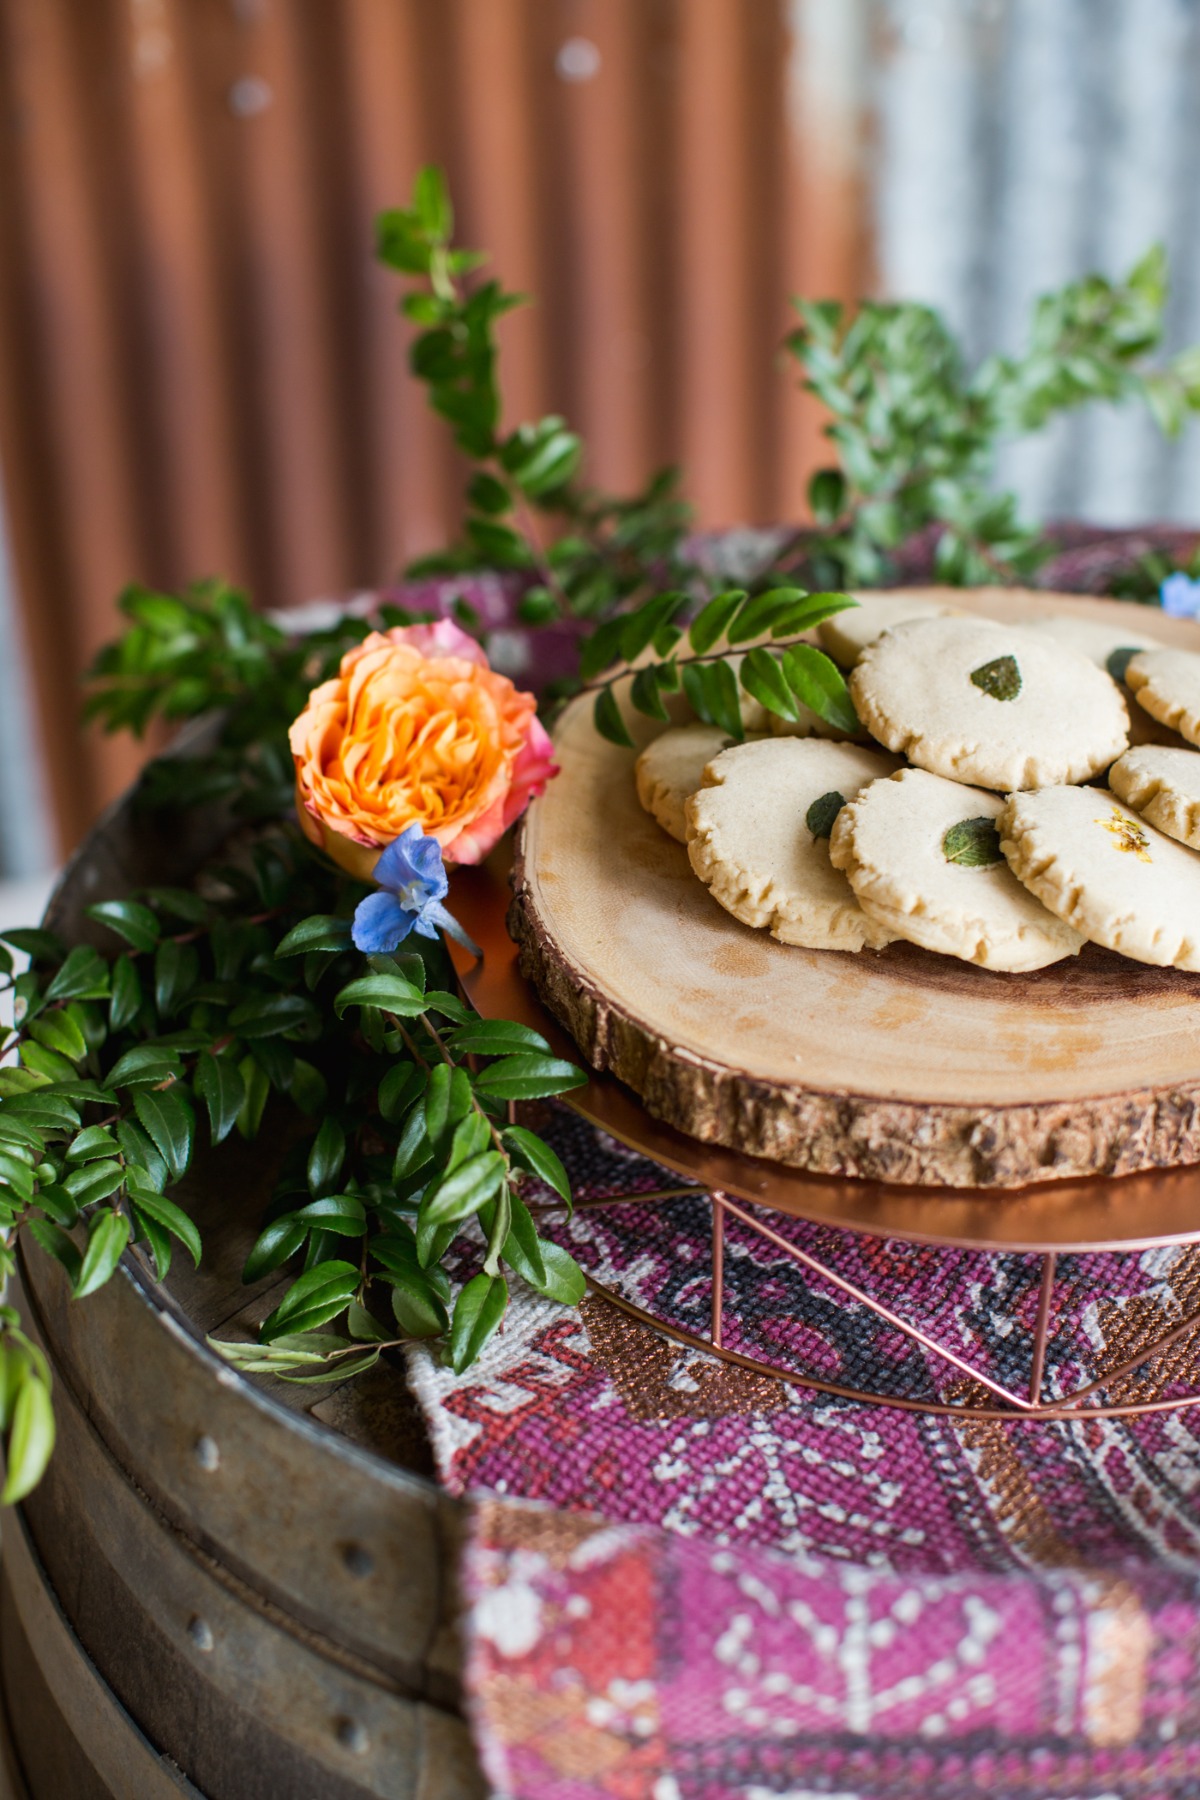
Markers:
<point>1000,678</point>
<point>392,993</point>
<point>820,685</point>
<point>222,1090</point>
<point>1117,662</point>
<point>325,1158</point>
<point>477,1313</point>
<point>136,923</point>
<point>317,933</point>
<point>108,1235</point>
<point>31,1438</point>
<point>312,1300</point>
<point>973,844</point>
<point>527,1077</point>
<point>167,1119</point>
<point>823,812</point>
<point>608,720</point>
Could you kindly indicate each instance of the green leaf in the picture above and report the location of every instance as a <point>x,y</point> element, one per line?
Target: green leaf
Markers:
<point>431,204</point>
<point>414,1151</point>
<point>20,1081</point>
<point>84,976</point>
<point>762,676</point>
<point>166,1116</point>
<point>318,933</point>
<point>529,1078</point>
<point>130,920</point>
<point>477,1313</point>
<point>532,1154</point>
<point>495,1037</point>
<point>713,620</point>
<point>644,694</point>
<point>55,1242</point>
<point>181,903</point>
<point>464,1191</point>
<point>58,1031</point>
<point>823,812</point>
<point>147,1064</point>
<point>809,611</point>
<point>606,715</point>
<point>1000,678</point>
<point>1118,661</point>
<point>157,1240</point>
<point>522,1249</point>
<point>126,994</point>
<point>273,1246</point>
<point>108,1235</point>
<point>222,1090</point>
<point>565,1281</point>
<point>313,1299</point>
<point>471,1135</point>
<point>419,1309</point>
<point>325,1158</point>
<point>819,684</point>
<point>972,843</point>
<point>398,1089</point>
<point>172,1218</point>
<point>40,946</point>
<point>269,1015</point>
<point>392,993</point>
<point>343,1214</point>
<point>95,1181</point>
<point>176,971</point>
<point>257,1087</point>
<point>308,1088</point>
<point>46,1062</point>
<point>31,1440</point>
<point>712,692</point>
<point>447,1100</point>
<point>363,1325</point>
<point>756,615</point>
<point>827,495</point>
<point>56,1201</point>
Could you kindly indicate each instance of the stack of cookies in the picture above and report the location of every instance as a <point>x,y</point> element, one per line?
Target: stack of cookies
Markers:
<point>969,815</point>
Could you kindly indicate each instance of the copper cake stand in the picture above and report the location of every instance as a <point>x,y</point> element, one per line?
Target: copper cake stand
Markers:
<point>1132,1214</point>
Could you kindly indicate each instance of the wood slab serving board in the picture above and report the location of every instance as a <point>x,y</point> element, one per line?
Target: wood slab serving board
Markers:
<point>897,1066</point>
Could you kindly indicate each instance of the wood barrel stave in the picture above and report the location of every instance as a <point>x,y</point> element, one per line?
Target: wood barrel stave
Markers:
<point>254,1593</point>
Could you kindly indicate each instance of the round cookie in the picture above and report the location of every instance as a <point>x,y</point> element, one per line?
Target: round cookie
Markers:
<point>1093,639</point>
<point>758,838</point>
<point>1106,872</point>
<point>670,768</point>
<point>846,635</point>
<point>1164,786</point>
<point>923,858</point>
<point>980,703</point>
<point>1167,684</point>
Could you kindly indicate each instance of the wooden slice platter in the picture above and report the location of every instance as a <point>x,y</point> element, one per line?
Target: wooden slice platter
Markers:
<point>895,1066</point>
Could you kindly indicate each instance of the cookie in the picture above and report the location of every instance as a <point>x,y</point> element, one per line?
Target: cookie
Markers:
<point>1110,647</point>
<point>1106,872</point>
<point>758,838</point>
<point>1164,786</point>
<point>669,771</point>
<point>847,634</point>
<point>981,703</point>
<point>923,857</point>
<point>1167,684</point>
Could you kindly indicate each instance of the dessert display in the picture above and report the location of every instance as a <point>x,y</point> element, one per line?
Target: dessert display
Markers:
<point>939,952</point>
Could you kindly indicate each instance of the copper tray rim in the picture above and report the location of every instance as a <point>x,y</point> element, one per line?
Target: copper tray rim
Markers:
<point>1149,1210</point>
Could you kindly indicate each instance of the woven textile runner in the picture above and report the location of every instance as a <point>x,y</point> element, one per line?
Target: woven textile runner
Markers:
<point>687,1581</point>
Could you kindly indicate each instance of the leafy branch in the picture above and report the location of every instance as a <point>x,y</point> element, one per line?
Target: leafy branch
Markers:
<point>916,434</point>
<point>584,553</point>
<point>786,676</point>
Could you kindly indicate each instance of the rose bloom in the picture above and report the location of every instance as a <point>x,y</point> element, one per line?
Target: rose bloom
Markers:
<point>416,728</point>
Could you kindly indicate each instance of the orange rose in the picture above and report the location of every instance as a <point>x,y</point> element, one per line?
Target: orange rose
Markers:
<point>416,728</point>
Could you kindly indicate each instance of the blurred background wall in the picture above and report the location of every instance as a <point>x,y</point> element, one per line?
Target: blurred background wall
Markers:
<point>202,371</point>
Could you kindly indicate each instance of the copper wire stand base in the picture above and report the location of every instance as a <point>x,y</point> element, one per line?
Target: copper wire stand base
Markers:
<point>1128,1215</point>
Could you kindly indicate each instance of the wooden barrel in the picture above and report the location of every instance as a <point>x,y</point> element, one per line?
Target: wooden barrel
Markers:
<point>238,1590</point>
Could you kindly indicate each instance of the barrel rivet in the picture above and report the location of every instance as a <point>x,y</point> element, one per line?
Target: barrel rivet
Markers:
<point>200,1632</point>
<point>207,1453</point>
<point>360,1562</point>
<point>352,1736</point>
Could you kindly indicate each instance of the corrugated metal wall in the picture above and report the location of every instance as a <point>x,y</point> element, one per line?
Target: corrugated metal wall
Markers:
<point>201,369</point>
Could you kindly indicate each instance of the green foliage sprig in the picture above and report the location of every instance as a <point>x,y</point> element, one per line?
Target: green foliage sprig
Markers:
<point>392,1096</point>
<point>916,433</point>
<point>783,675</point>
<point>584,552</point>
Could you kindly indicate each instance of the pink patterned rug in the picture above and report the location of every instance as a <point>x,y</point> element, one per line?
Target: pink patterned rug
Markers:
<point>687,1581</point>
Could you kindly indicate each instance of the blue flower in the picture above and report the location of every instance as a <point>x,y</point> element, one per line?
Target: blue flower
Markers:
<point>412,885</point>
<point>1180,596</point>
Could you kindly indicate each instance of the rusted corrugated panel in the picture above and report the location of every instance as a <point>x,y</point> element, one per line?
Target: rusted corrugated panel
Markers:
<point>202,370</point>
